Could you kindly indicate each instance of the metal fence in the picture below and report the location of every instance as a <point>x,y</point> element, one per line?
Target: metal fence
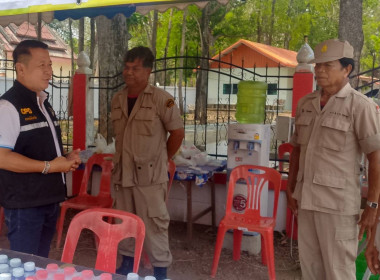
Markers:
<point>220,91</point>
<point>208,135</point>
<point>58,96</point>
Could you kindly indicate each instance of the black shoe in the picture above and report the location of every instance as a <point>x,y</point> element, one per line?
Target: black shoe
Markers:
<point>126,265</point>
<point>160,272</point>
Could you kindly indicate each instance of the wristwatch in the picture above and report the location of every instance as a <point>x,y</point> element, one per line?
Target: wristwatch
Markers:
<point>372,204</point>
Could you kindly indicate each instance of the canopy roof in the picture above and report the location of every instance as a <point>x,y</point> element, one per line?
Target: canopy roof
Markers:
<point>19,11</point>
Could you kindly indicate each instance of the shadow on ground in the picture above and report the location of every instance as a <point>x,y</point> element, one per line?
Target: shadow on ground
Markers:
<point>194,262</point>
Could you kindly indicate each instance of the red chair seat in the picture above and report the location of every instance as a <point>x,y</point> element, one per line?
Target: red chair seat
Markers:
<point>249,219</point>
<point>84,200</point>
<point>109,235</point>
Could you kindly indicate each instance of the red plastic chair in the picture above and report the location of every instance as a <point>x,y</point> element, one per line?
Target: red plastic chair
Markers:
<point>285,148</point>
<point>84,200</point>
<point>250,219</point>
<point>291,233</point>
<point>96,220</point>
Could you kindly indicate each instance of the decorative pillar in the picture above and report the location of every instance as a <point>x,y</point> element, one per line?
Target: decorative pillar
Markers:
<point>303,79</point>
<point>83,113</point>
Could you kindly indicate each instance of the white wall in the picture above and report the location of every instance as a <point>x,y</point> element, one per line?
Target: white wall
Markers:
<point>215,89</point>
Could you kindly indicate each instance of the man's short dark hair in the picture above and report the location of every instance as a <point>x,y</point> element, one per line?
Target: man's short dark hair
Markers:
<point>143,53</point>
<point>347,61</point>
<point>23,49</point>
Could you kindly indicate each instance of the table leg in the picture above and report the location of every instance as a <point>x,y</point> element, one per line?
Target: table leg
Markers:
<point>189,213</point>
<point>213,223</point>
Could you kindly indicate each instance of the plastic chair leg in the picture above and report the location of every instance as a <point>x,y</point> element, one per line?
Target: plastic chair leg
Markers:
<point>218,249</point>
<point>1,218</point>
<point>145,260</point>
<point>60,225</point>
<point>238,236</point>
<point>269,252</point>
<point>263,251</point>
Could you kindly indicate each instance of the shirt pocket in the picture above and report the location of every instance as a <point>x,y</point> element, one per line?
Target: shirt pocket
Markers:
<point>334,133</point>
<point>303,125</point>
<point>144,121</point>
<point>144,171</point>
<point>116,117</point>
<point>329,191</point>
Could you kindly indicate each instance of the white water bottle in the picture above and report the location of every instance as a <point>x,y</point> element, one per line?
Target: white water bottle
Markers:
<point>14,263</point>
<point>5,276</point>
<point>18,273</point>
<point>4,268</point>
<point>29,269</point>
<point>132,276</point>
<point>150,278</point>
<point>4,259</point>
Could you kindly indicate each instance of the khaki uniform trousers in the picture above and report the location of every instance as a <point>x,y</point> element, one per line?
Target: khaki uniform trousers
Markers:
<point>147,202</point>
<point>327,245</point>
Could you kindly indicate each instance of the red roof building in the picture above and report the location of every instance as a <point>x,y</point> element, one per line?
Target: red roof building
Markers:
<point>11,35</point>
<point>249,54</point>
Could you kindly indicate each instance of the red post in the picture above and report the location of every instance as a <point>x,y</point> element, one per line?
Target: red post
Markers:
<point>302,84</point>
<point>79,123</point>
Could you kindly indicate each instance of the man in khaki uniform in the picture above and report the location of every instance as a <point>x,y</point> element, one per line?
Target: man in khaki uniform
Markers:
<point>142,117</point>
<point>334,126</point>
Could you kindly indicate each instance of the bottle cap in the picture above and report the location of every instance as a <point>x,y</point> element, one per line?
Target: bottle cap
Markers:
<point>41,274</point>
<point>105,276</point>
<point>4,268</point>
<point>29,266</point>
<point>15,262</point>
<point>18,272</point>
<point>3,259</point>
<point>70,270</point>
<point>59,276</point>
<point>132,276</point>
<point>5,276</point>
<point>52,267</point>
<point>87,274</point>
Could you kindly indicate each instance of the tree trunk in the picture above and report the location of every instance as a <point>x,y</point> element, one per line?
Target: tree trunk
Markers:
<point>181,53</point>
<point>93,44</point>
<point>154,32</point>
<point>201,83</point>
<point>81,35</point>
<point>71,45</point>
<point>112,39</point>
<point>271,31</point>
<point>163,78</point>
<point>350,29</point>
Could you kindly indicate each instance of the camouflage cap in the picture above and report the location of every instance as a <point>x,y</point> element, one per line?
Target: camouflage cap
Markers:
<point>331,50</point>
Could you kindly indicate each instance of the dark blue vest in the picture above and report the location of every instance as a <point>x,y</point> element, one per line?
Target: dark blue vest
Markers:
<point>22,190</point>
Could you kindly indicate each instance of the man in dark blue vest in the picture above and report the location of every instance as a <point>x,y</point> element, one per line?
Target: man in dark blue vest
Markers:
<point>32,165</point>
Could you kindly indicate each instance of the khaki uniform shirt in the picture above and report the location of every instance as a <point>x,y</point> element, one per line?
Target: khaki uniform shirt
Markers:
<point>331,142</point>
<point>140,139</point>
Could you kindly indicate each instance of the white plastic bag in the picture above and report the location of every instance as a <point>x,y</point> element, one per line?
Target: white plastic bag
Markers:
<point>101,146</point>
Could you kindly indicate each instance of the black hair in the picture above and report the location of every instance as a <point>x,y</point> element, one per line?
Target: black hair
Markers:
<point>23,49</point>
<point>347,61</point>
<point>143,53</point>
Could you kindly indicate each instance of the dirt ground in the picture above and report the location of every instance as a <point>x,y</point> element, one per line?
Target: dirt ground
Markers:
<point>194,263</point>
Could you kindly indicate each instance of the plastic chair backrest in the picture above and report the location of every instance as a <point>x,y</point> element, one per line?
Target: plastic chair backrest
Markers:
<point>282,150</point>
<point>171,171</point>
<point>255,178</point>
<point>109,235</point>
<point>105,162</point>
